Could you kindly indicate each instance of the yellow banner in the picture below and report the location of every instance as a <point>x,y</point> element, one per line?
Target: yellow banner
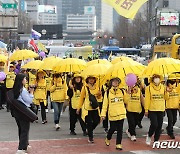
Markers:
<point>41,47</point>
<point>126,8</point>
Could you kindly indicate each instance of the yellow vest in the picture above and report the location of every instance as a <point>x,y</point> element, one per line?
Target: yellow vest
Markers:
<point>48,82</point>
<point>40,91</point>
<point>173,100</point>
<point>134,103</point>
<point>10,77</point>
<point>75,99</point>
<point>32,79</point>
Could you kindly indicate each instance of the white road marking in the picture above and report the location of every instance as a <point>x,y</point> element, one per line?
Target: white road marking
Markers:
<point>144,152</point>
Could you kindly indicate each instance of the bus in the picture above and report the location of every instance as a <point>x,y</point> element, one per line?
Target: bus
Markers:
<point>166,47</point>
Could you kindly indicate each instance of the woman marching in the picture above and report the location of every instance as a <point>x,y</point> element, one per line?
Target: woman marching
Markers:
<point>74,92</point>
<point>155,107</point>
<point>40,94</point>
<point>58,97</point>
<point>88,102</point>
<point>114,103</point>
<point>172,104</point>
<point>25,97</point>
<point>134,108</point>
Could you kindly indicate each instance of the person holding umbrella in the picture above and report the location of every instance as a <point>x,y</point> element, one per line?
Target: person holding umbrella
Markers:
<point>155,107</point>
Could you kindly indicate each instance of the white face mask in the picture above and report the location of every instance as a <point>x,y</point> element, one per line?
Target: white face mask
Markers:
<point>156,81</point>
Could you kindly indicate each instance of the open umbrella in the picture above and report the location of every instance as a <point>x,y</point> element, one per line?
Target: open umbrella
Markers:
<point>50,63</point>
<point>3,58</point>
<point>35,64</point>
<point>121,58</point>
<point>23,55</point>
<point>162,66</point>
<point>70,65</point>
<point>99,61</point>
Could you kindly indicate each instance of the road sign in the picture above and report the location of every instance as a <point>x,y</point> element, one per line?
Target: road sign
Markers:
<point>9,5</point>
<point>92,42</point>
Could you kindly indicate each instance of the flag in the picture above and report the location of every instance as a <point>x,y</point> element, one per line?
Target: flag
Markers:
<point>32,43</point>
<point>35,35</point>
<point>41,47</point>
<point>126,8</point>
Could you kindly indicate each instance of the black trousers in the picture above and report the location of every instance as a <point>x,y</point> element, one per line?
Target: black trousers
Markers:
<point>73,119</point>
<point>2,94</point>
<point>116,125</point>
<point>172,118</point>
<point>92,120</point>
<point>105,121</point>
<point>133,120</point>
<point>43,111</point>
<point>23,132</point>
<point>7,104</point>
<point>141,115</point>
<point>156,120</point>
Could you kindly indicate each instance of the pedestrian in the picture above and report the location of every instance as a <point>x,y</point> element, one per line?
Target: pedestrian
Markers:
<point>2,88</point>
<point>134,108</point>
<point>40,94</point>
<point>88,103</point>
<point>155,107</point>
<point>172,104</point>
<point>114,103</point>
<point>58,96</point>
<point>25,97</point>
<point>74,92</point>
<point>10,77</point>
<point>32,77</point>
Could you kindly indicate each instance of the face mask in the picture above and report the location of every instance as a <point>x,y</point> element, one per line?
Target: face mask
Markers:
<point>156,81</point>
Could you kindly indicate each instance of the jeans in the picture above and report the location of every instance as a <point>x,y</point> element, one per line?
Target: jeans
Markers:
<point>57,106</point>
<point>116,125</point>
<point>156,119</point>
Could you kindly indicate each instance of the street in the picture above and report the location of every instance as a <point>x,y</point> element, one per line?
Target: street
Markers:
<point>45,140</point>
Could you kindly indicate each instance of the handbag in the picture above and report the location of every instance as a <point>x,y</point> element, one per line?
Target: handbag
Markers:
<point>93,101</point>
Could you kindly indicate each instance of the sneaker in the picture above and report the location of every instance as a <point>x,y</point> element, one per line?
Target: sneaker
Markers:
<point>118,146</point>
<point>44,121</point>
<point>107,142</point>
<point>172,136</point>
<point>36,121</point>
<point>73,133</point>
<point>140,125</point>
<point>57,127</point>
<point>85,133</point>
<point>47,110</point>
<point>133,138</point>
<point>91,140</point>
<point>21,152</point>
<point>148,140</point>
<point>28,148</point>
<point>128,134</point>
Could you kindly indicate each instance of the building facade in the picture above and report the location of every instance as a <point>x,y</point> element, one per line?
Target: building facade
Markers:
<point>47,18</point>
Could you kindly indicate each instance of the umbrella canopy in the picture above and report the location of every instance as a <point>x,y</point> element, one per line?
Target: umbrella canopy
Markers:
<point>23,55</point>
<point>50,63</point>
<point>162,66</point>
<point>35,64</point>
<point>70,65</point>
<point>3,58</point>
<point>99,61</point>
<point>121,58</point>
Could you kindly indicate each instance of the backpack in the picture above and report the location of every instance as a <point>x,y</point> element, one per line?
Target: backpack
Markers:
<point>93,101</point>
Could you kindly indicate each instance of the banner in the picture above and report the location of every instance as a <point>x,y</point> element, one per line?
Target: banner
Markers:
<point>35,35</point>
<point>126,8</point>
<point>41,47</point>
<point>32,43</point>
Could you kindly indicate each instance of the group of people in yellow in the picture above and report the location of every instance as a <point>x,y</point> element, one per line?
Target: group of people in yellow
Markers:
<point>89,103</point>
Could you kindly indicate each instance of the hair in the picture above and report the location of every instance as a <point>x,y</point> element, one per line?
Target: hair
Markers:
<point>90,77</point>
<point>77,86</point>
<point>110,82</point>
<point>170,82</point>
<point>18,85</point>
<point>37,78</point>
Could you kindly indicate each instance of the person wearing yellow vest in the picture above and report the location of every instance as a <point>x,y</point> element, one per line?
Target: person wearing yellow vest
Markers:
<point>114,103</point>
<point>172,104</point>
<point>32,77</point>
<point>134,108</point>
<point>92,118</point>
<point>74,92</point>
<point>58,97</point>
<point>155,107</point>
<point>40,94</point>
<point>10,78</point>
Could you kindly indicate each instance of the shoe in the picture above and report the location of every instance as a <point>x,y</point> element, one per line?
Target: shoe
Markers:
<point>21,152</point>
<point>91,140</point>
<point>106,130</point>
<point>73,133</point>
<point>44,121</point>
<point>107,142</point>
<point>167,131</point>
<point>140,125</point>
<point>8,110</point>
<point>57,127</point>
<point>133,138</point>
<point>28,148</point>
<point>162,130</point>
<point>118,146</point>
<point>47,111</point>
<point>36,121</point>
<point>128,134</point>
<point>85,133</point>
<point>172,136</point>
<point>148,140</point>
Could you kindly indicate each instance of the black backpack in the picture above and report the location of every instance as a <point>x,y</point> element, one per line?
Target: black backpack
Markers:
<point>93,101</point>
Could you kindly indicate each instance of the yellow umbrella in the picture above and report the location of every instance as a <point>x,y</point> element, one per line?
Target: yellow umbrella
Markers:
<point>50,62</point>
<point>35,64</point>
<point>3,58</point>
<point>23,55</point>
<point>121,58</point>
<point>162,66</point>
<point>70,65</point>
<point>99,61</point>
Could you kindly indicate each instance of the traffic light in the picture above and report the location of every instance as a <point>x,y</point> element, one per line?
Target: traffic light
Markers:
<point>123,37</point>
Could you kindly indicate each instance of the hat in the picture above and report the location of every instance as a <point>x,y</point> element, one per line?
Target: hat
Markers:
<point>172,77</point>
<point>11,65</point>
<point>90,77</point>
<point>115,78</point>
<point>41,71</point>
<point>77,75</point>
